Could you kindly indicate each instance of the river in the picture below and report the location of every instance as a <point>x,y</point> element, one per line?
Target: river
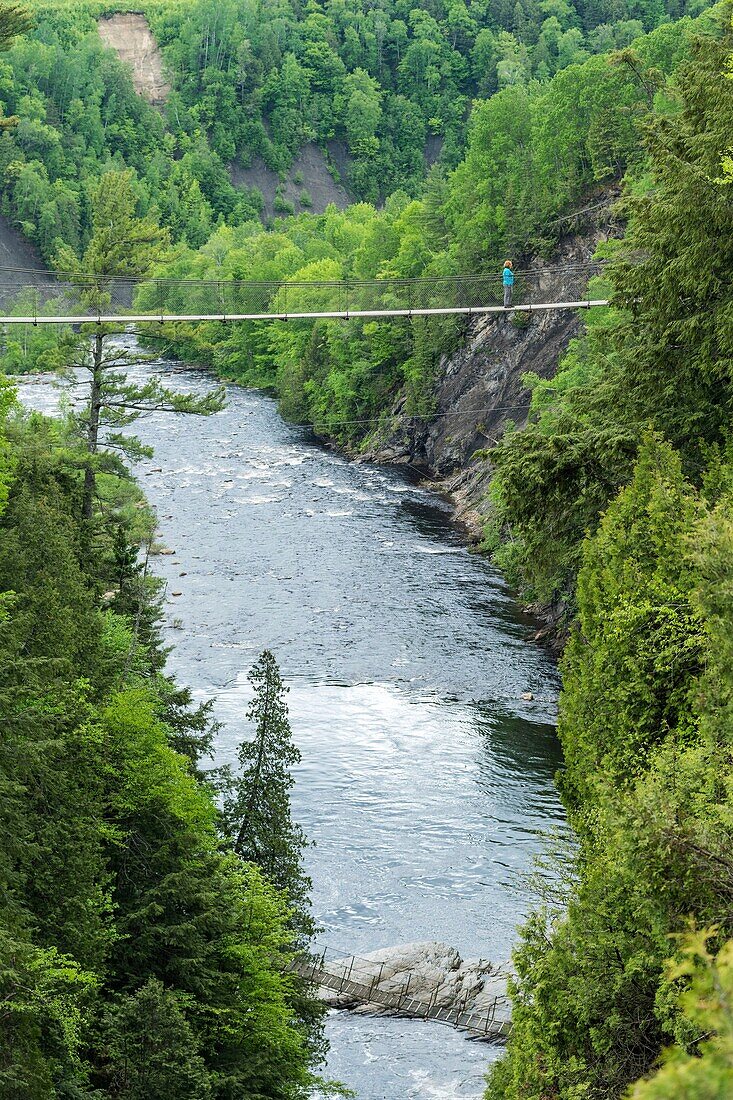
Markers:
<point>426,779</point>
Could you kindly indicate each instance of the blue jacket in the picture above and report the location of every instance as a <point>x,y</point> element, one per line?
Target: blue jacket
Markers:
<point>508,276</point>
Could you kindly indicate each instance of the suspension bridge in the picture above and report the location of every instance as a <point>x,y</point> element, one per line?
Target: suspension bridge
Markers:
<point>29,297</point>
<point>363,982</point>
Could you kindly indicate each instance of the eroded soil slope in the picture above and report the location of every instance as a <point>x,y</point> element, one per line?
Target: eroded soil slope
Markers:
<point>129,35</point>
<point>17,252</point>
<point>307,177</point>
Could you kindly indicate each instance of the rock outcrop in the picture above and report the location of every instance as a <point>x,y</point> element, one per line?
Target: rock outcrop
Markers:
<point>479,387</point>
<point>430,972</point>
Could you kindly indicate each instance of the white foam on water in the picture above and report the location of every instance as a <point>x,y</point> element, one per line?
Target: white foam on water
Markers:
<point>426,1089</point>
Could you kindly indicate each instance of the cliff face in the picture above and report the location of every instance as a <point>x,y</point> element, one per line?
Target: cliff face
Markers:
<point>479,388</point>
<point>17,252</point>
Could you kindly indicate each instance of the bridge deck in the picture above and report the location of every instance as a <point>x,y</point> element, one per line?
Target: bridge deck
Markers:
<point>487,1025</point>
<point>44,298</point>
<point>343,315</point>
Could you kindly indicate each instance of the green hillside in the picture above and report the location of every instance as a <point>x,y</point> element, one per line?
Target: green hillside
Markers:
<point>262,80</point>
<point>382,80</point>
<point>534,151</point>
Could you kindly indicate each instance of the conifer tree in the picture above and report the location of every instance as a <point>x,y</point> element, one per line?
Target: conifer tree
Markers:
<point>122,246</point>
<point>152,1048</point>
<point>645,718</point>
<point>675,340</point>
<point>14,20</point>
<point>137,959</point>
<point>257,808</point>
<point>257,816</point>
<point>705,1073</point>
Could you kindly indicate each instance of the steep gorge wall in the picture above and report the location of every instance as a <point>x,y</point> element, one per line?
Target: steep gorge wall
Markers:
<point>478,388</point>
<point>16,251</point>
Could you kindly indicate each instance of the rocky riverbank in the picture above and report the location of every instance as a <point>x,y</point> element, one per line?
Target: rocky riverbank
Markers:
<point>479,388</point>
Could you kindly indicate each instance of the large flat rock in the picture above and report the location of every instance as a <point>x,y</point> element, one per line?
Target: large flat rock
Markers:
<point>431,972</point>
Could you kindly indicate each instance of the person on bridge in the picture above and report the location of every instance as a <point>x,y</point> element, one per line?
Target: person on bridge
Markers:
<point>508,280</point>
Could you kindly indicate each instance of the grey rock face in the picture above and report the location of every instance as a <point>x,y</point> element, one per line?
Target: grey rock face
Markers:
<point>479,388</point>
<point>430,972</point>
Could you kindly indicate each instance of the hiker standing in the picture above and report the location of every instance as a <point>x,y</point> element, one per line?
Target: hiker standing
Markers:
<point>508,280</point>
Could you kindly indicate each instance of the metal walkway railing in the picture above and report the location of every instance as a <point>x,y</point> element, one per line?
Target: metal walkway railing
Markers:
<point>28,297</point>
<point>342,976</point>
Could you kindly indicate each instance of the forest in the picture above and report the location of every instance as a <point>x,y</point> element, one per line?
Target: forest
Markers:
<point>618,498</point>
<point>150,908</point>
<point>612,505</point>
<point>143,952</point>
<point>380,81</point>
<point>253,79</point>
<point>533,151</point>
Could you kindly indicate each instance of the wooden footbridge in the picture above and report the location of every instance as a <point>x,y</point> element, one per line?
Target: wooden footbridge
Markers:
<point>360,982</point>
<point>46,298</point>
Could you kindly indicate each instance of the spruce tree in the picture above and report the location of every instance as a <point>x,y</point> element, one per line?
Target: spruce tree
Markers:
<point>645,715</point>
<point>257,808</point>
<point>257,816</point>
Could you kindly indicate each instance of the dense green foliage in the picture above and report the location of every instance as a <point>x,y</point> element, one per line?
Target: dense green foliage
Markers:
<point>534,149</point>
<point>250,79</point>
<point>708,1003</point>
<point>257,807</point>
<point>118,904</point>
<point>379,81</point>
<point>532,152</point>
<point>643,404</point>
<point>124,897</point>
<point>648,784</point>
<point>661,357</point>
<point>78,117</point>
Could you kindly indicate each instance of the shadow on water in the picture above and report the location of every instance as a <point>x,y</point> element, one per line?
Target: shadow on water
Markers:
<point>519,745</point>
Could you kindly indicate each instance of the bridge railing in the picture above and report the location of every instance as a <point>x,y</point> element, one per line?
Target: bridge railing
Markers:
<point>362,981</point>
<point>42,294</point>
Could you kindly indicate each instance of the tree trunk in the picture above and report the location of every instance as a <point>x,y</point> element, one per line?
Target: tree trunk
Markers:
<point>95,408</point>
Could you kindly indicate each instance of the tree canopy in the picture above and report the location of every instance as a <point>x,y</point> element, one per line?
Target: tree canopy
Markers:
<point>626,471</point>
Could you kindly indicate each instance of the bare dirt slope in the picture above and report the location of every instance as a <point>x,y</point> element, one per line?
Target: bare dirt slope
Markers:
<point>16,251</point>
<point>310,167</point>
<point>129,35</point>
<point>21,265</point>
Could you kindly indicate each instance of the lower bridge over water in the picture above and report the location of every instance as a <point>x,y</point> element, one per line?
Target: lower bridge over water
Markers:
<point>360,982</point>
